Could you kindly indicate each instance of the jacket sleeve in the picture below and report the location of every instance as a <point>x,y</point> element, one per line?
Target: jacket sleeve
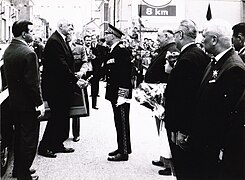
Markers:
<point>124,74</point>
<point>32,78</point>
<point>58,61</point>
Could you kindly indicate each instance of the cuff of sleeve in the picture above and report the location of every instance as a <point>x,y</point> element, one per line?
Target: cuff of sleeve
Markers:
<point>123,92</point>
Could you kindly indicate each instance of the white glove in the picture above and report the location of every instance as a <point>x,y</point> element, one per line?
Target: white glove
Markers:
<point>82,83</point>
<point>122,100</point>
<point>80,74</point>
<point>168,68</point>
<point>41,109</point>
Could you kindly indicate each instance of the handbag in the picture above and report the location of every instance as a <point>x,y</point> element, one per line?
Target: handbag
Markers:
<point>79,106</point>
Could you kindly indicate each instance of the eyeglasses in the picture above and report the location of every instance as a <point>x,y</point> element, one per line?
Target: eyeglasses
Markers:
<point>168,31</point>
<point>176,32</point>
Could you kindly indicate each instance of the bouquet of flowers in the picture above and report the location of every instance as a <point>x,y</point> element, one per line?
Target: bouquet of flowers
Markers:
<point>152,94</point>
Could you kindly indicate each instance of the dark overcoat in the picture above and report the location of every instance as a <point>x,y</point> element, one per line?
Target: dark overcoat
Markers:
<point>156,71</point>
<point>182,87</point>
<point>58,79</point>
<point>220,113</point>
<point>58,85</point>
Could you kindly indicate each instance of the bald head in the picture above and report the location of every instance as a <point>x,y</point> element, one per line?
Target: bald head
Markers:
<point>165,36</point>
<point>65,27</point>
<point>186,33</point>
<point>220,27</point>
<point>189,28</point>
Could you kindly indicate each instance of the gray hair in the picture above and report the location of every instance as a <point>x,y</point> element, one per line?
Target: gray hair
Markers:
<point>222,29</point>
<point>62,22</point>
<point>189,28</point>
<point>165,29</point>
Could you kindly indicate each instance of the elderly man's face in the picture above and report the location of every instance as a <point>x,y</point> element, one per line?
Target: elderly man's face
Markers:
<point>161,38</point>
<point>208,40</point>
<point>66,28</point>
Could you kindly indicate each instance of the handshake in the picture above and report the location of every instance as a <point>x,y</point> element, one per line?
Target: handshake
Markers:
<point>82,83</point>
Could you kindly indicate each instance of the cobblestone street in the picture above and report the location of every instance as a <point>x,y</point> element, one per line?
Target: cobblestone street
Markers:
<point>98,138</point>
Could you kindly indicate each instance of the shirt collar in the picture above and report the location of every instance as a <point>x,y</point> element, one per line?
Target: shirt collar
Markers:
<point>21,41</point>
<point>220,55</point>
<point>62,35</point>
<point>185,46</point>
<point>241,50</point>
<point>114,45</point>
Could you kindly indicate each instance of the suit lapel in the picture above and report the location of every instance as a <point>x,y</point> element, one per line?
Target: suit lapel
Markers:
<point>65,46</point>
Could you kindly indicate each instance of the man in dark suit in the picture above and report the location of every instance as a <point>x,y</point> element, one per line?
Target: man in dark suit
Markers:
<point>156,74</point>
<point>58,85</point>
<point>238,39</point>
<point>118,91</point>
<point>23,79</point>
<point>181,89</point>
<point>217,132</point>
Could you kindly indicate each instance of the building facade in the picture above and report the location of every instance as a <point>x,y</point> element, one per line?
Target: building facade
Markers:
<point>149,15</point>
<point>8,15</point>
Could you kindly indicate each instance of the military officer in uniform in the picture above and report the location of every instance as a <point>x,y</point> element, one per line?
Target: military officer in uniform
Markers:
<point>119,91</point>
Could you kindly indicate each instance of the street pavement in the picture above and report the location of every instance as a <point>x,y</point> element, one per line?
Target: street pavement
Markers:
<point>98,138</point>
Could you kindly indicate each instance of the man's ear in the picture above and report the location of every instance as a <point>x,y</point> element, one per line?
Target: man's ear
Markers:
<point>241,37</point>
<point>23,34</point>
<point>181,34</point>
<point>215,39</point>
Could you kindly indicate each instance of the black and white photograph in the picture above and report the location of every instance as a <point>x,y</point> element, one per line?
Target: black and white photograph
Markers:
<point>122,89</point>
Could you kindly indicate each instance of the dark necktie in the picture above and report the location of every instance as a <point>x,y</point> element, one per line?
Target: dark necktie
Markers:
<point>68,45</point>
<point>213,62</point>
<point>209,71</point>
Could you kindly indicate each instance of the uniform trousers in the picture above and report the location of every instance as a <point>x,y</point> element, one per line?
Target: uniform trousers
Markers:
<point>121,119</point>
<point>76,127</point>
<point>26,135</point>
<point>94,90</point>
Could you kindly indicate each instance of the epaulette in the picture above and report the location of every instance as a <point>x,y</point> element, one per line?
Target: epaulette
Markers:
<point>121,46</point>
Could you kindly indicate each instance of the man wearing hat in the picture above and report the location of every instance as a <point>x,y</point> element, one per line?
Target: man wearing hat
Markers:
<point>119,91</point>
<point>238,39</point>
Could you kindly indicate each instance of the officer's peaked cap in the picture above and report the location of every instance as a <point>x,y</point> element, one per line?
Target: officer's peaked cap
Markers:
<point>113,30</point>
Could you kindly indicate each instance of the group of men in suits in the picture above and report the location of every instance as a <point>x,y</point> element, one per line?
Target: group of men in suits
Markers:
<point>205,104</point>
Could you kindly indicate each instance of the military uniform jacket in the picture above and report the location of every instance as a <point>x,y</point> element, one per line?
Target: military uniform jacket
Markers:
<point>182,87</point>
<point>58,67</point>
<point>156,70</point>
<point>23,77</point>
<point>118,74</point>
<point>217,97</point>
